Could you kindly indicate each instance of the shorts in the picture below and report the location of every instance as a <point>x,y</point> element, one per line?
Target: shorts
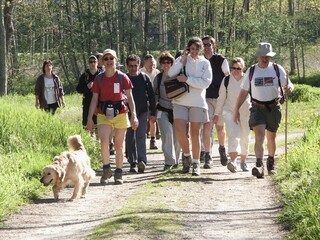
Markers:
<point>119,121</point>
<point>212,104</point>
<point>263,116</point>
<point>190,114</point>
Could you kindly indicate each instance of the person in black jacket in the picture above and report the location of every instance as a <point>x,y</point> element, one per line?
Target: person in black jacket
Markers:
<point>144,99</point>
<point>84,86</point>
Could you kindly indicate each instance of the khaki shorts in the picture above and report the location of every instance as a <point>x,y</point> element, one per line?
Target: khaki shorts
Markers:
<point>212,104</point>
<point>119,121</point>
<point>190,114</point>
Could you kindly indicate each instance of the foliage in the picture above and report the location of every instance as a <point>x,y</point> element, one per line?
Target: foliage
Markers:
<point>29,141</point>
<point>299,182</point>
<point>73,30</point>
<point>305,93</point>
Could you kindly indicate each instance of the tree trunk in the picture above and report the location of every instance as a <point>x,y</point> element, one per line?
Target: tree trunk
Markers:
<point>291,44</point>
<point>3,55</point>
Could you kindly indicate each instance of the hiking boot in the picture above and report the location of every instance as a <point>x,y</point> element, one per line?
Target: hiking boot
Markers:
<point>133,168</point>
<point>195,169</point>
<point>207,161</point>
<point>202,156</point>
<point>270,165</point>
<point>141,167</point>
<point>111,148</point>
<point>167,167</point>
<point>223,156</point>
<point>232,166</point>
<point>153,144</point>
<point>244,166</point>
<point>158,136</point>
<point>118,178</point>
<point>186,163</point>
<point>258,170</point>
<point>107,174</point>
<point>175,166</point>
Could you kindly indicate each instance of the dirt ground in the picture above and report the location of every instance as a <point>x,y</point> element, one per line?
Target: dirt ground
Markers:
<point>222,205</point>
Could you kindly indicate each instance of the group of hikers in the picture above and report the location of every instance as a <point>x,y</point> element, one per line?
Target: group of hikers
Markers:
<point>128,107</point>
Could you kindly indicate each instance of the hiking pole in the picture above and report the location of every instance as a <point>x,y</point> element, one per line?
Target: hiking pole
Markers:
<point>286,122</point>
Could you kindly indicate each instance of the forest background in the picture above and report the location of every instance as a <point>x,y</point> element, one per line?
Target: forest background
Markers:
<point>67,32</point>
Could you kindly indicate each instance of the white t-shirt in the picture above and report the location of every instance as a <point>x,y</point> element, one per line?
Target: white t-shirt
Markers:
<point>151,75</point>
<point>228,99</point>
<point>264,83</point>
<point>49,90</point>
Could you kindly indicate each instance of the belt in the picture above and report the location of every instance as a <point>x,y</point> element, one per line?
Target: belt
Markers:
<point>265,105</point>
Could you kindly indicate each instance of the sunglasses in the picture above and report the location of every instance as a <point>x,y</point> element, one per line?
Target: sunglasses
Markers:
<point>166,62</point>
<point>234,68</point>
<point>207,44</point>
<point>92,61</point>
<point>107,59</point>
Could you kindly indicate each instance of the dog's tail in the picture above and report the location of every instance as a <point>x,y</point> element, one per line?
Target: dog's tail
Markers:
<point>75,143</point>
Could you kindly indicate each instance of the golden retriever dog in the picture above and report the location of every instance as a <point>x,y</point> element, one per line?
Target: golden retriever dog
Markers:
<point>71,167</point>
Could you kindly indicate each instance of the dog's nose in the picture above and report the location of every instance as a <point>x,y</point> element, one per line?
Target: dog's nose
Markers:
<point>41,180</point>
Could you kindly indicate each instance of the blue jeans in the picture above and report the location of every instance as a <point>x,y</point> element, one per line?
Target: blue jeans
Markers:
<point>136,150</point>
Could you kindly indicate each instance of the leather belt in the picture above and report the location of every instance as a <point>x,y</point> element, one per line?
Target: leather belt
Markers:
<point>265,105</point>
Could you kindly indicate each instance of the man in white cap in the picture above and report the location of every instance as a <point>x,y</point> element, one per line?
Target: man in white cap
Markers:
<point>264,82</point>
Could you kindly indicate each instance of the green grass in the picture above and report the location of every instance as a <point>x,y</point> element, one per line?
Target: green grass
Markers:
<point>29,139</point>
<point>298,180</point>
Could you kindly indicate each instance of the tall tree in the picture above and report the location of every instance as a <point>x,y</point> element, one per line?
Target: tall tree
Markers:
<point>3,55</point>
<point>291,43</point>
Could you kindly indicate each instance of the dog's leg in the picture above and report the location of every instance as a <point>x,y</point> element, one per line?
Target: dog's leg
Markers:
<point>55,190</point>
<point>85,188</point>
<point>77,186</point>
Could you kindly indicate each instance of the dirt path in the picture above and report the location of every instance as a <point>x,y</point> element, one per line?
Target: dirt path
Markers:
<point>220,205</point>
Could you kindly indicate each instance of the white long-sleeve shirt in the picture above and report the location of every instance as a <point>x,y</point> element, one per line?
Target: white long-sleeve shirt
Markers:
<point>199,74</point>
<point>228,97</point>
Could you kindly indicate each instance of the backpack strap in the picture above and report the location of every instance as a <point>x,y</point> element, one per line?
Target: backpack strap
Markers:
<point>159,78</point>
<point>226,82</point>
<point>251,71</point>
<point>276,68</point>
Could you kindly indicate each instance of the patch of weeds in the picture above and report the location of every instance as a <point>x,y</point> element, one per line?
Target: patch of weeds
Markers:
<point>147,214</point>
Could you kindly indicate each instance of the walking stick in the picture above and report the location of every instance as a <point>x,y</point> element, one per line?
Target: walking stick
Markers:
<point>286,122</point>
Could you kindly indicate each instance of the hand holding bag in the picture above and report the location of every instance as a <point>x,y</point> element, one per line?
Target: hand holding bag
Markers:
<point>174,88</point>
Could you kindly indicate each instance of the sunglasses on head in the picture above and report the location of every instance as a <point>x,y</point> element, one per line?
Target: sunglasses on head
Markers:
<point>108,58</point>
<point>234,68</point>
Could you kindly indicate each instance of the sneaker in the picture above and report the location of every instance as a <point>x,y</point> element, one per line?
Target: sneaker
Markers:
<point>207,161</point>
<point>175,166</point>
<point>244,166</point>
<point>111,148</point>
<point>153,144</point>
<point>167,167</point>
<point>107,174</point>
<point>195,169</point>
<point>258,170</point>
<point>133,168</point>
<point>141,167</point>
<point>186,163</point>
<point>223,156</point>
<point>232,166</point>
<point>118,178</point>
<point>202,156</point>
<point>270,166</point>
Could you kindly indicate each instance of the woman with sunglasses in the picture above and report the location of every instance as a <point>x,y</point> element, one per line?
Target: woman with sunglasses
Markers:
<point>109,101</point>
<point>238,134</point>
<point>170,146</point>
